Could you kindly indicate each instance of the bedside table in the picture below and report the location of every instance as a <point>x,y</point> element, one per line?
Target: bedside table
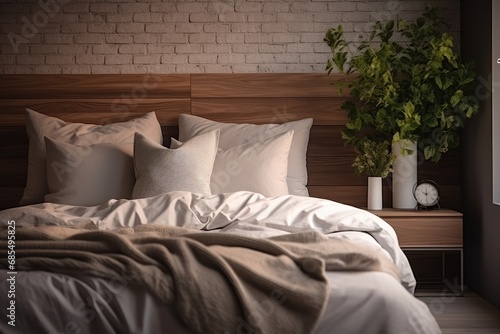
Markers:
<point>429,231</point>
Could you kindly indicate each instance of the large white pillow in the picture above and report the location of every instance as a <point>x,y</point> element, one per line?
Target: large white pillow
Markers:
<point>232,134</point>
<point>260,167</point>
<point>160,170</point>
<point>88,175</point>
<point>39,126</point>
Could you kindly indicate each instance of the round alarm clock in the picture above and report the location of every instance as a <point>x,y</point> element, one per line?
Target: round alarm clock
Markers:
<point>426,192</point>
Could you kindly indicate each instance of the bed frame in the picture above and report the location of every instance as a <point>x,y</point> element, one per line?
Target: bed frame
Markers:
<point>248,98</point>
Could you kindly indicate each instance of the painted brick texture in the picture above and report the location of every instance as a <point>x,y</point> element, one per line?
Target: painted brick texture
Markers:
<point>78,36</point>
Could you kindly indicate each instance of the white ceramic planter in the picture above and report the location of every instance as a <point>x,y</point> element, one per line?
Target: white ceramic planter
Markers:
<point>374,193</point>
<point>404,176</point>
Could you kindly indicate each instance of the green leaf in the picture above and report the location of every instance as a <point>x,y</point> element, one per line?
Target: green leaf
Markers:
<point>395,137</point>
<point>429,152</point>
<point>358,124</point>
<point>439,83</point>
<point>408,108</point>
<point>347,135</point>
<point>381,116</point>
<point>351,125</point>
<point>471,110</point>
<point>456,98</point>
<point>339,59</point>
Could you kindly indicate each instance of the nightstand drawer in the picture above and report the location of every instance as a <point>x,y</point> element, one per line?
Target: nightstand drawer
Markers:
<point>427,231</point>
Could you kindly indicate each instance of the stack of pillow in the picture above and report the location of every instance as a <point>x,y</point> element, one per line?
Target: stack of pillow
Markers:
<point>86,165</point>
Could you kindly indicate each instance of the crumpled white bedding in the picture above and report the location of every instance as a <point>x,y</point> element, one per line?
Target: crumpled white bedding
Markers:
<point>359,302</point>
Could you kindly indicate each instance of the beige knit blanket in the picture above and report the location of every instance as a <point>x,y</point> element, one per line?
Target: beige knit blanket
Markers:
<point>217,283</point>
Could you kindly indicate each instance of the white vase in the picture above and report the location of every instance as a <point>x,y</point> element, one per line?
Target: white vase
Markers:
<point>404,176</point>
<point>374,193</point>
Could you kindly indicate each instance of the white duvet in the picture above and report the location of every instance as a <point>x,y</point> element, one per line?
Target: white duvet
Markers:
<point>359,302</point>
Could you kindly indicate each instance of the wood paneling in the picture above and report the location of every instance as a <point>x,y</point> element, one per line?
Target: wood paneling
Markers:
<point>337,170</point>
<point>248,98</point>
<point>111,86</point>
<point>327,141</point>
<point>265,85</point>
<point>451,197</point>
<point>95,111</point>
<point>325,111</point>
<point>13,171</point>
<point>446,172</point>
<point>333,171</point>
<point>10,196</point>
<point>169,132</point>
<point>13,142</point>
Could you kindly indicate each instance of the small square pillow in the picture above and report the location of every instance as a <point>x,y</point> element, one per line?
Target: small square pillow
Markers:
<point>260,167</point>
<point>160,170</point>
<point>39,126</point>
<point>232,134</point>
<point>88,175</point>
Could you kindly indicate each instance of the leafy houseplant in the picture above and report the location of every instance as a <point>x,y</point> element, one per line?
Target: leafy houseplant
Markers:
<point>373,158</point>
<point>413,91</point>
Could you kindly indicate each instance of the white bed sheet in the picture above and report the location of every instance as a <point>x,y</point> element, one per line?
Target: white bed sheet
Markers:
<point>362,302</point>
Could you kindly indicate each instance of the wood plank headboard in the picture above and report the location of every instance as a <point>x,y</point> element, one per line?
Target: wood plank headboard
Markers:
<point>239,98</point>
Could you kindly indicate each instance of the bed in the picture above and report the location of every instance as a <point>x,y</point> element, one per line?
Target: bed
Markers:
<point>250,223</point>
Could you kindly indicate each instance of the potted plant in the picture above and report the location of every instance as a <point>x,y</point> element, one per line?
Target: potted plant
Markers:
<point>407,93</point>
<point>375,159</point>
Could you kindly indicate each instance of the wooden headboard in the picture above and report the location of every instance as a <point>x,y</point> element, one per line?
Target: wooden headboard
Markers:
<point>239,98</point>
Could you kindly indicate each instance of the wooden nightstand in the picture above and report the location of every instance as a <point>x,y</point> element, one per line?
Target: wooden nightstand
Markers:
<point>430,231</point>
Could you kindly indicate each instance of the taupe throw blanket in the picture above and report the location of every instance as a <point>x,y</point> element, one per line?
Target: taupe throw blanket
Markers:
<point>218,283</point>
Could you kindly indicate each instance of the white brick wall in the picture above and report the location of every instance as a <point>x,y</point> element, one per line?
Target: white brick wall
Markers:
<point>186,36</point>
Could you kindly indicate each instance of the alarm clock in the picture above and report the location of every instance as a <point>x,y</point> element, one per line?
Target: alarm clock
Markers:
<point>426,192</point>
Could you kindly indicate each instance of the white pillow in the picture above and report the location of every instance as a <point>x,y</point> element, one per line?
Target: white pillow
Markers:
<point>39,126</point>
<point>89,175</point>
<point>160,170</point>
<point>259,167</point>
<point>232,134</point>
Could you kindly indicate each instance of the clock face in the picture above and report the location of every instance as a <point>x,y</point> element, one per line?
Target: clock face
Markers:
<point>426,194</point>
